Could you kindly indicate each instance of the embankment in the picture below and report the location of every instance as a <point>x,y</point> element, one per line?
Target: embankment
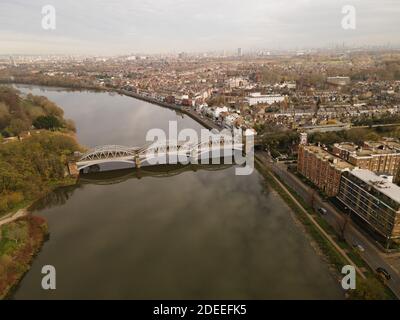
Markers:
<point>20,241</point>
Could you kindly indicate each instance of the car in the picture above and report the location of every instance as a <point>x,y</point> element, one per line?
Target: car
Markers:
<point>322,211</point>
<point>383,272</point>
<point>359,247</point>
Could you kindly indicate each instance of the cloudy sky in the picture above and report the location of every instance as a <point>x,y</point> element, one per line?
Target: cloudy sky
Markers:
<point>152,26</point>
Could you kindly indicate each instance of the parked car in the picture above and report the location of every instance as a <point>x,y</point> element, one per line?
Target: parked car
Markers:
<point>359,247</point>
<point>322,211</point>
<point>383,272</point>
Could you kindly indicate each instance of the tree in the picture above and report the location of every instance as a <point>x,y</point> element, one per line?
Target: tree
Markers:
<point>16,233</point>
<point>17,126</point>
<point>70,125</point>
<point>343,224</point>
<point>5,116</point>
<point>312,197</point>
<point>369,289</point>
<point>47,122</point>
<point>29,166</point>
<point>17,114</point>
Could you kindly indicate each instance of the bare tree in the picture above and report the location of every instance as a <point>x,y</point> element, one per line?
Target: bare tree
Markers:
<point>343,224</point>
<point>312,198</point>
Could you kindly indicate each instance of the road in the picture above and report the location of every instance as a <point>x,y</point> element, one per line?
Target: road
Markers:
<point>206,122</point>
<point>377,126</point>
<point>12,217</point>
<point>372,255</point>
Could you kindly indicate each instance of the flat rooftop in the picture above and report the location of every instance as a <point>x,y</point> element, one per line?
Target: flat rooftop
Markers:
<point>348,146</point>
<point>336,161</point>
<point>371,148</point>
<point>388,144</point>
<point>380,183</point>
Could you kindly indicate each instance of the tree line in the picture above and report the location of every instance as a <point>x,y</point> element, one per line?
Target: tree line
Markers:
<point>19,114</point>
<point>29,168</point>
<point>32,166</point>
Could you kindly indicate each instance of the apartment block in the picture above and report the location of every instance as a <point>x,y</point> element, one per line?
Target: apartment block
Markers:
<point>379,157</point>
<point>374,199</point>
<point>322,168</point>
<point>257,98</point>
<point>397,177</point>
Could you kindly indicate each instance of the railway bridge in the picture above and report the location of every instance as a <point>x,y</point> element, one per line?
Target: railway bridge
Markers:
<point>162,152</point>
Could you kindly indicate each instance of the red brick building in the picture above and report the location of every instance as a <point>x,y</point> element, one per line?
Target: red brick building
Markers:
<point>322,168</point>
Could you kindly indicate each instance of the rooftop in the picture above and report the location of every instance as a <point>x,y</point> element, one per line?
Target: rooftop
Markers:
<point>391,145</point>
<point>370,148</point>
<point>259,95</point>
<point>348,146</point>
<point>336,161</point>
<point>380,183</point>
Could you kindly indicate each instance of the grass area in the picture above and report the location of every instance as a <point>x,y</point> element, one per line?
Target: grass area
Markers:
<point>11,236</point>
<point>20,240</point>
<point>334,257</point>
<point>370,288</point>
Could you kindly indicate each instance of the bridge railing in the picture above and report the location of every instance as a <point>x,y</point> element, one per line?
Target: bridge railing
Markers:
<point>117,151</point>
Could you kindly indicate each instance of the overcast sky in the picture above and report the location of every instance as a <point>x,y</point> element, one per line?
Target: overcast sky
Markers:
<point>152,26</point>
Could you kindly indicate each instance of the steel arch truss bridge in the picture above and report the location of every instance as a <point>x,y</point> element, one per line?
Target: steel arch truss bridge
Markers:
<point>108,152</point>
<point>163,152</point>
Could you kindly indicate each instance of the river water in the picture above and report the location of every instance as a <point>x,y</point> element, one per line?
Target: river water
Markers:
<point>172,233</point>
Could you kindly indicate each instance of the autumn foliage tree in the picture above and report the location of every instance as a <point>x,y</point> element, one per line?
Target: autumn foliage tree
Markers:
<point>19,114</point>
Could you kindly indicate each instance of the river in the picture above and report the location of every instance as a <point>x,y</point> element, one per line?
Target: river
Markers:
<point>197,233</point>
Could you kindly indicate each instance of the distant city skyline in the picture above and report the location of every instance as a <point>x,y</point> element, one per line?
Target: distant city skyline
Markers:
<point>166,26</point>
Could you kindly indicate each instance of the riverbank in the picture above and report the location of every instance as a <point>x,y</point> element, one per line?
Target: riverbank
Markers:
<point>21,234</point>
<point>196,117</point>
<point>20,241</point>
<point>334,255</point>
<point>33,163</point>
<point>26,179</point>
<point>203,121</point>
<point>335,252</point>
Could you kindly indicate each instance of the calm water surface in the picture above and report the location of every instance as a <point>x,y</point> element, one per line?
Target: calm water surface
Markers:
<point>191,233</point>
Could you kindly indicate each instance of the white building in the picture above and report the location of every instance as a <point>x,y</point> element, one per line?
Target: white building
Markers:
<point>237,82</point>
<point>339,81</point>
<point>290,85</point>
<point>374,199</point>
<point>230,120</point>
<point>256,98</point>
<point>218,110</point>
<point>250,132</point>
<point>201,107</point>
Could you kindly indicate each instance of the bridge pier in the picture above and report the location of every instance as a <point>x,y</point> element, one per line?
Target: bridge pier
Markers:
<point>73,169</point>
<point>138,163</point>
<point>139,174</point>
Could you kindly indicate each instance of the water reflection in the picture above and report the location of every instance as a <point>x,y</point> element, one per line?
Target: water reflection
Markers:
<point>61,195</point>
<point>161,171</point>
<point>58,197</point>
<point>172,232</point>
